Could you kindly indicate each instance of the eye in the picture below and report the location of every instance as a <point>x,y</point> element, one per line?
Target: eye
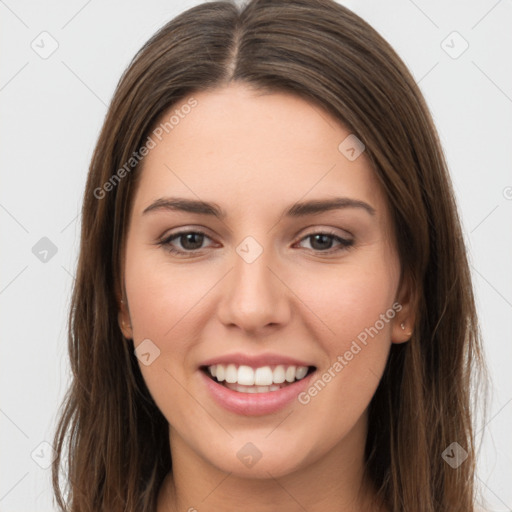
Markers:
<point>322,241</point>
<point>190,241</point>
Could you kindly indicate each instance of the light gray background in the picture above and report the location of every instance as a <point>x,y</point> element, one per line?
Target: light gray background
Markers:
<point>51,113</point>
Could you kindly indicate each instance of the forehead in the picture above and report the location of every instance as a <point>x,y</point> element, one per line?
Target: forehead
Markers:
<point>252,151</point>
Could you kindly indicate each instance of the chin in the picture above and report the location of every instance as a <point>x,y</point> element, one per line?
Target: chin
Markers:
<point>253,456</point>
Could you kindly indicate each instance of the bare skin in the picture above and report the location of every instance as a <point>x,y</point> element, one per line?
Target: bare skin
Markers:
<point>305,297</point>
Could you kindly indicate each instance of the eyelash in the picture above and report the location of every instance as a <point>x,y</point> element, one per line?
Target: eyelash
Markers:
<point>166,242</point>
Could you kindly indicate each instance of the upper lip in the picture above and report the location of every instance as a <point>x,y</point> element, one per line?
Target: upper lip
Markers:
<point>255,361</point>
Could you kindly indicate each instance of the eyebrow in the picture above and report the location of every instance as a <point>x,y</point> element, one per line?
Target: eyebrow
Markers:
<point>302,209</point>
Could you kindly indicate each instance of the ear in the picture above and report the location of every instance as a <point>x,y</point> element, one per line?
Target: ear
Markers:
<point>124,320</point>
<point>405,306</point>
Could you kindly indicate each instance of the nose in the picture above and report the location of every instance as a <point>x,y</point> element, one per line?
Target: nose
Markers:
<point>254,298</point>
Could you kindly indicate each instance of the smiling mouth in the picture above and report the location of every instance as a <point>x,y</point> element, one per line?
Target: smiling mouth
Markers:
<point>245,379</point>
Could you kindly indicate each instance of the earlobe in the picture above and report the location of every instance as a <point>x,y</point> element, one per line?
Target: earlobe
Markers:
<point>124,320</point>
<point>401,332</point>
<point>403,323</point>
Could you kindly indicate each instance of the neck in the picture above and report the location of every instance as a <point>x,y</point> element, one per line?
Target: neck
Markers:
<point>333,482</point>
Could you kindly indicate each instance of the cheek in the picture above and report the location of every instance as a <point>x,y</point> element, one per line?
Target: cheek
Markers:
<point>351,300</point>
<point>161,295</point>
<point>355,304</point>
<point>162,301</point>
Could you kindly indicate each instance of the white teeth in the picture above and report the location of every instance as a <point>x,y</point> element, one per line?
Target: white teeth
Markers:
<point>231,374</point>
<point>290,374</point>
<point>300,372</point>
<point>279,374</point>
<point>252,389</point>
<point>252,380</point>
<point>263,376</point>
<point>246,375</point>
<point>220,372</point>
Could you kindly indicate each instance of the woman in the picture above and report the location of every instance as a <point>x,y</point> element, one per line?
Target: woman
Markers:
<point>273,307</point>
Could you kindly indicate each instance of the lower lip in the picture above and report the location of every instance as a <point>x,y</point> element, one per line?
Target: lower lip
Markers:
<point>254,404</point>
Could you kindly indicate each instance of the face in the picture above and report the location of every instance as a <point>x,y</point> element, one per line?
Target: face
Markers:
<point>263,319</point>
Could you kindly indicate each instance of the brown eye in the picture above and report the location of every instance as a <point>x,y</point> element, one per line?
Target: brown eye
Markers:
<point>323,242</point>
<point>189,241</point>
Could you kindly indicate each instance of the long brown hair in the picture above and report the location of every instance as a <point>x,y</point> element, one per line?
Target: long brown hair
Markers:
<point>111,437</point>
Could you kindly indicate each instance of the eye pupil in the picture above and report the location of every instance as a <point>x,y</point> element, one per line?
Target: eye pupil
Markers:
<point>325,241</point>
<point>191,237</point>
